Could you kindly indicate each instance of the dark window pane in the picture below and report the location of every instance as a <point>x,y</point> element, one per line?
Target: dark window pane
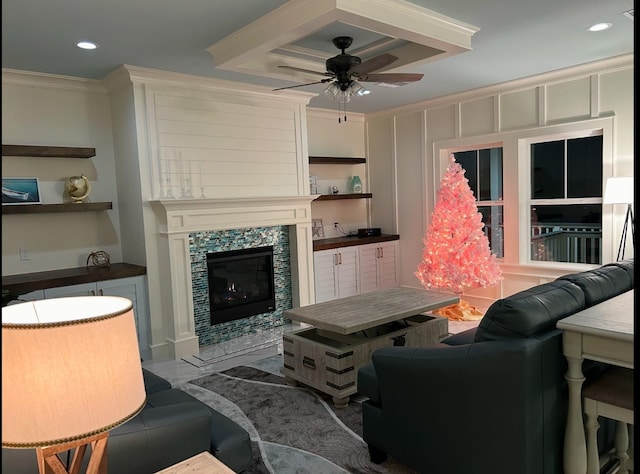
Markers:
<point>490,174</point>
<point>469,161</point>
<point>567,233</point>
<point>547,177</point>
<point>493,228</point>
<point>584,167</point>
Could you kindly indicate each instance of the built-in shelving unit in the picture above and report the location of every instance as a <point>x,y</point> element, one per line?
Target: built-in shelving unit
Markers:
<point>334,197</point>
<point>49,208</point>
<point>331,160</point>
<point>36,151</point>
<point>334,160</point>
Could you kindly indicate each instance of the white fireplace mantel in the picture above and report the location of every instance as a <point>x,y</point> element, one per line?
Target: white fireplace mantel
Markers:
<point>184,216</point>
<point>195,215</point>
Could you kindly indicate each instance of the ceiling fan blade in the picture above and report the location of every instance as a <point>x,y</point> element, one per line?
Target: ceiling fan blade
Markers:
<point>307,84</point>
<point>309,71</point>
<point>391,77</point>
<point>373,64</point>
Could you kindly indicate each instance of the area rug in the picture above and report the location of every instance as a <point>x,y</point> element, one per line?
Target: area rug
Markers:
<point>293,429</point>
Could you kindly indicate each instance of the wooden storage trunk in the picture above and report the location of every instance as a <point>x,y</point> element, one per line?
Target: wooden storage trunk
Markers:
<point>329,361</point>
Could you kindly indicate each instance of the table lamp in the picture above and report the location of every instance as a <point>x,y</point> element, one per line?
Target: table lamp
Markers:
<point>620,191</point>
<point>70,373</point>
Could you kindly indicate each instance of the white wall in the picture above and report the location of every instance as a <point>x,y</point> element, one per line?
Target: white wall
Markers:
<point>58,111</point>
<point>411,143</point>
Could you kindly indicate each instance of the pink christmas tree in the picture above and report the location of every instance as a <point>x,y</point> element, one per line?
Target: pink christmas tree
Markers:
<point>456,253</point>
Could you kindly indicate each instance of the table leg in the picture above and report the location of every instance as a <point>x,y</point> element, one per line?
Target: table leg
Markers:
<point>341,402</point>
<point>575,450</point>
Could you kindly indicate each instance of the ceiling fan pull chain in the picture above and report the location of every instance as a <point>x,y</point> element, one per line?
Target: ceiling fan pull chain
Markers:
<point>345,108</point>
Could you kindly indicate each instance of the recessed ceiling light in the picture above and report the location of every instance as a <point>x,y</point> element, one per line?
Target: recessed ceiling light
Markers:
<point>600,26</point>
<point>86,45</point>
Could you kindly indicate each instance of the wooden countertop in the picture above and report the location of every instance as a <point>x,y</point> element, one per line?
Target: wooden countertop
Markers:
<point>338,242</point>
<point>26,282</point>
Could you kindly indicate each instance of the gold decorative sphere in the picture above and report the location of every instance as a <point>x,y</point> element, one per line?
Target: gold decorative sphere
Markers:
<point>77,187</point>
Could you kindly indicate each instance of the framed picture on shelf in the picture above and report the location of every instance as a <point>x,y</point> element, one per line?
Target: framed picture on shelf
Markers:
<point>20,191</point>
<point>317,231</point>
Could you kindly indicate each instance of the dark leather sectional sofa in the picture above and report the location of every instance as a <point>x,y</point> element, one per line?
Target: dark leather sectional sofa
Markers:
<point>172,427</point>
<point>489,400</point>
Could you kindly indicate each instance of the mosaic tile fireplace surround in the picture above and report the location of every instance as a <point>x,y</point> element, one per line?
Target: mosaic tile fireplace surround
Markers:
<point>201,243</point>
<point>189,228</point>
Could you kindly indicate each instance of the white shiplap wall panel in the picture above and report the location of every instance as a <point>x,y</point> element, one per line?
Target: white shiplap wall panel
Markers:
<point>217,106</point>
<point>215,145</point>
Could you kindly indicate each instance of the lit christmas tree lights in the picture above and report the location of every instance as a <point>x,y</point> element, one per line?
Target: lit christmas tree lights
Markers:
<point>456,253</point>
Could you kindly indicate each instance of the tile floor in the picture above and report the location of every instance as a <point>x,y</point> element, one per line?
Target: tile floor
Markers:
<point>246,350</point>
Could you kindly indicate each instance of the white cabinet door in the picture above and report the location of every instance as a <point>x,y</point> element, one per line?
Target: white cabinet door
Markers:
<point>378,266</point>
<point>388,265</point>
<point>133,288</point>
<point>82,289</point>
<point>336,273</point>
<point>348,281</point>
<point>368,268</point>
<point>325,275</point>
<point>31,296</point>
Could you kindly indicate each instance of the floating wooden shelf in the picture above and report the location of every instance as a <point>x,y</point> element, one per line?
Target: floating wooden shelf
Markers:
<point>64,207</point>
<point>48,151</point>
<point>331,160</point>
<point>335,197</point>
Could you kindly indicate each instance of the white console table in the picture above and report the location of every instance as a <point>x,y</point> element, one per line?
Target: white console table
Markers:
<point>603,333</point>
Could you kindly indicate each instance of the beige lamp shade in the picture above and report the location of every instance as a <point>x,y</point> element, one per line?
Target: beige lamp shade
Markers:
<point>70,369</point>
<point>618,191</point>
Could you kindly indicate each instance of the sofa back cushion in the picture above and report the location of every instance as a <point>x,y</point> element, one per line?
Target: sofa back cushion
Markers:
<point>530,312</point>
<point>626,265</point>
<point>601,283</point>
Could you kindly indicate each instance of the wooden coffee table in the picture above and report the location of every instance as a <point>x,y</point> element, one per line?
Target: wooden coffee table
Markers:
<point>346,331</point>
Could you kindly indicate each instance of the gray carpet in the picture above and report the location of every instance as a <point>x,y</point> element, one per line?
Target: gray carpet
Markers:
<point>293,429</point>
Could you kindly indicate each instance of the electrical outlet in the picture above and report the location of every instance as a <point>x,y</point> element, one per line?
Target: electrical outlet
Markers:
<point>24,254</point>
<point>335,225</point>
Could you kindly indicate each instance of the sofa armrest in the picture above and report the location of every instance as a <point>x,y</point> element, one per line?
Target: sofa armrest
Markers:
<point>368,383</point>
<point>159,437</point>
<point>154,383</point>
<point>464,337</point>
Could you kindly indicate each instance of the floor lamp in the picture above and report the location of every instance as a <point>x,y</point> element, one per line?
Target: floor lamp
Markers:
<point>70,373</point>
<point>620,191</point>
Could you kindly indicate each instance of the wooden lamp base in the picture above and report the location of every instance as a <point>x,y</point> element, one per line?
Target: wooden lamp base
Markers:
<point>50,463</point>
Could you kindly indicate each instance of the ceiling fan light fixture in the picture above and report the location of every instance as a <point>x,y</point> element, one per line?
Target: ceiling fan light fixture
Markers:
<point>332,90</point>
<point>358,89</point>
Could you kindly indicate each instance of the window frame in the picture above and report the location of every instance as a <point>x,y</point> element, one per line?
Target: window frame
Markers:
<point>553,133</point>
<point>515,159</point>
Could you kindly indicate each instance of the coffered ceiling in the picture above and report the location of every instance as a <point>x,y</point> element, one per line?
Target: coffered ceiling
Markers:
<point>457,44</point>
<point>299,34</point>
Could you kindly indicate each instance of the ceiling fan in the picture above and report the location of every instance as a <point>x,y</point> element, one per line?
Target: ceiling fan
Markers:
<point>345,70</point>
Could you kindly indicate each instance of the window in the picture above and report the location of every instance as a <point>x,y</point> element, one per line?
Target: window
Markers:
<point>483,169</point>
<point>566,200</point>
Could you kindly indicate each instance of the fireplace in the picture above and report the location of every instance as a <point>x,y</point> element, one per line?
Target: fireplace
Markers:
<point>241,283</point>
